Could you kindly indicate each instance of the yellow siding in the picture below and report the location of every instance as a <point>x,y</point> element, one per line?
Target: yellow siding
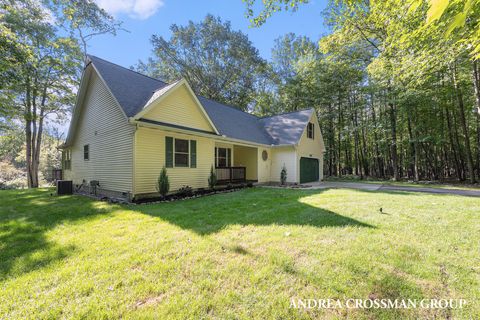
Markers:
<point>311,148</point>
<point>246,157</point>
<point>181,109</point>
<point>103,126</point>
<point>284,156</point>
<point>150,158</point>
<point>264,166</point>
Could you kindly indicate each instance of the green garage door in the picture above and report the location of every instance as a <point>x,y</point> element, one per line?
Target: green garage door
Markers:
<point>309,170</point>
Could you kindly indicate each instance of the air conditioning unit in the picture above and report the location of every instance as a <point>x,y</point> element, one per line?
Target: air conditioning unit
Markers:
<point>64,187</point>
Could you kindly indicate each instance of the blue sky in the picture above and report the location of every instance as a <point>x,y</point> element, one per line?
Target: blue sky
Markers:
<point>146,17</point>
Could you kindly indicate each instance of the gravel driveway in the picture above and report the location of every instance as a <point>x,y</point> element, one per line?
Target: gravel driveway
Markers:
<point>376,187</point>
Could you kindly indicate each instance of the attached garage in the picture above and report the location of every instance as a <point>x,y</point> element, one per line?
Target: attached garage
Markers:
<point>309,170</point>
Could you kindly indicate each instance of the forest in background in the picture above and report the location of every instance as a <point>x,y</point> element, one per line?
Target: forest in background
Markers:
<point>396,84</point>
<point>397,98</point>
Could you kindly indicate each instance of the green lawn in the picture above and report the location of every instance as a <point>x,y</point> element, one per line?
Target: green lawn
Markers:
<point>236,255</point>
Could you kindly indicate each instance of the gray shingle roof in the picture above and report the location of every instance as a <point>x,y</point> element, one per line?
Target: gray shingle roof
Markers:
<point>133,90</point>
<point>287,128</point>
<point>235,123</point>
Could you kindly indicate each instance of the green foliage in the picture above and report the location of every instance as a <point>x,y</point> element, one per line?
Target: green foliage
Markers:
<point>290,52</point>
<point>212,179</point>
<point>40,41</point>
<point>163,183</point>
<point>436,10</point>
<point>12,177</point>
<point>449,17</point>
<point>218,62</point>
<point>293,67</point>
<point>269,8</point>
<point>283,175</point>
<point>446,15</point>
<point>84,19</point>
<point>394,96</point>
<point>185,191</point>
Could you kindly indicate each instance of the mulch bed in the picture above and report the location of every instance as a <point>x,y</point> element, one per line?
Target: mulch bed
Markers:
<point>194,194</point>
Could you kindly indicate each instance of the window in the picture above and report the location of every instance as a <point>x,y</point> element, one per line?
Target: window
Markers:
<point>178,152</point>
<point>223,157</point>
<point>86,152</point>
<point>67,159</point>
<point>181,153</point>
<point>310,130</point>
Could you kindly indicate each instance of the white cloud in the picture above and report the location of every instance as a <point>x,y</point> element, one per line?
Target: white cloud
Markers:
<point>138,9</point>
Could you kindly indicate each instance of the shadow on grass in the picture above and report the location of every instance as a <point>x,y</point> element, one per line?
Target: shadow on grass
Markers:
<point>25,218</point>
<point>248,207</point>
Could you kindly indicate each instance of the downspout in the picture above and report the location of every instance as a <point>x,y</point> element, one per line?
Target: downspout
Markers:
<point>134,156</point>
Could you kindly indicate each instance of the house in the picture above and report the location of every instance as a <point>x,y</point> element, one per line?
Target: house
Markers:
<point>126,126</point>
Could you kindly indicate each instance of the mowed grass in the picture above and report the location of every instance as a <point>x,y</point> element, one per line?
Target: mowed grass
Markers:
<point>238,255</point>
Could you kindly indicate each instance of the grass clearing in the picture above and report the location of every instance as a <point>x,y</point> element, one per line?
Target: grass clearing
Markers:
<point>236,255</point>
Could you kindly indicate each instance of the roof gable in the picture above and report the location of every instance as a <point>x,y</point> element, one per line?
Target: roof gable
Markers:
<point>177,104</point>
<point>91,80</point>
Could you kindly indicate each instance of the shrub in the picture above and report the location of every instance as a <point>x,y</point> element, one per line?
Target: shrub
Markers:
<point>185,191</point>
<point>212,179</point>
<point>11,177</point>
<point>163,184</point>
<point>283,175</point>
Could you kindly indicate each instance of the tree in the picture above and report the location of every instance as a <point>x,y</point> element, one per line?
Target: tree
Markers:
<point>163,183</point>
<point>13,54</point>
<point>218,62</point>
<point>48,72</point>
<point>289,52</point>
<point>212,179</point>
<point>84,20</point>
<point>394,97</point>
<point>283,175</point>
<point>286,88</point>
<point>269,8</point>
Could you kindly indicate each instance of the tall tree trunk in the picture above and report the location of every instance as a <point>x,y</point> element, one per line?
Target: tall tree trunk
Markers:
<point>454,145</point>
<point>376,147</point>
<point>463,123</point>
<point>393,143</point>
<point>478,145</point>
<point>339,138</point>
<point>476,85</point>
<point>413,147</point>
<point>364,150</point>
<point>28,134</point>
<point>331,147</point>
<point>34,166</point>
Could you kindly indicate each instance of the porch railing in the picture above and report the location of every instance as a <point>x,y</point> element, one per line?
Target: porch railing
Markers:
<point>231,174</point>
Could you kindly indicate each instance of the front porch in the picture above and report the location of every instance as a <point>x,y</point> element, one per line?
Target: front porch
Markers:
<point>235,163</point>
